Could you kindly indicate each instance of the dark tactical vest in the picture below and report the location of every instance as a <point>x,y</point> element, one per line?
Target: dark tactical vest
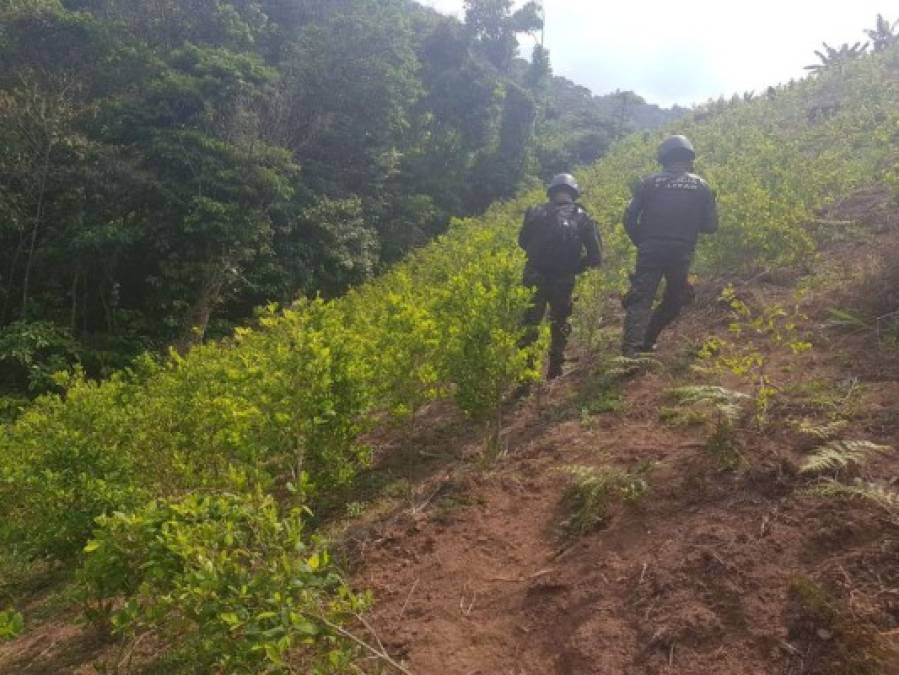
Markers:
<point>555,244</point>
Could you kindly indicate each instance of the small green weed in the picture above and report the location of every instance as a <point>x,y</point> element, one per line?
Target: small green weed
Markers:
<point>623,367</point>
<point>847,320</point>
<point>683,417</point>
<point>836,400</point>
<point>700,405</point>
<point>12,624</point>
<point>772,324</point>
<point>354,509</point>
<point>600,394</point>
<point>885,326</point>
<point>722,445</point>
<point>446,507</point>
<point>684,359</point>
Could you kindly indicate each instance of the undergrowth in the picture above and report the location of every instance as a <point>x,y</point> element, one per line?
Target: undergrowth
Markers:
<point>593,491</point>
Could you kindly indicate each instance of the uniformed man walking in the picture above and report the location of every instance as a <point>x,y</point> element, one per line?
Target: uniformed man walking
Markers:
<point>668,211</point>
<point>561,241</point>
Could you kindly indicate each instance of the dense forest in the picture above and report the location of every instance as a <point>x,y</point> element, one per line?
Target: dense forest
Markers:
<point>165,167</point>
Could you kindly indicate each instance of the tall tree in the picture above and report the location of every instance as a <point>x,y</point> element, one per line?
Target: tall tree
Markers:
<point>831,57</point>
<point>540,70</point>
<point>496,27</point>
<point>213,182</point>
<point>883,35</point>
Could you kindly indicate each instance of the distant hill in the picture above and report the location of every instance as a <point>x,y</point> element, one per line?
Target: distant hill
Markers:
<point>578,126</point>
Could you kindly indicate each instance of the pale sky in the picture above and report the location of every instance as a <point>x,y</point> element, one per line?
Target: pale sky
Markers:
<point>686,52</point>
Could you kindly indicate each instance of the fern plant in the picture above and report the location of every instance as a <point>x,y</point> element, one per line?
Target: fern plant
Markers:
<point>837,455</point>
<point>821,432</point>
<point>625,366</point>
<point>593,491</point>
<point>876,493</point>
<point>726,401</point>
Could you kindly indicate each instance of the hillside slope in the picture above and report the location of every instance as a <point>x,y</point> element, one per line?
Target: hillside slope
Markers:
<point>725,565</point>
<point>182,506</point>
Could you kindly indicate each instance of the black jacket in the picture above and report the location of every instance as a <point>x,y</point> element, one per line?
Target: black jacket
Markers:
<point>673,206</point>
<point>555,254</point>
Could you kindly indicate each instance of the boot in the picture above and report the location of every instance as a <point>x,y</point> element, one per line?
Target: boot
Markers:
<point>555,367</point>
<point>523,390</point>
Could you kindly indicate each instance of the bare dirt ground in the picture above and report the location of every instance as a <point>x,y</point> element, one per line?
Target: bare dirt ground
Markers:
<point>721,567</point>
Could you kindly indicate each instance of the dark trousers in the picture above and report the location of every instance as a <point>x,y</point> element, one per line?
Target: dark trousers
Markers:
<point>556,293</point>
<point>655,261</point>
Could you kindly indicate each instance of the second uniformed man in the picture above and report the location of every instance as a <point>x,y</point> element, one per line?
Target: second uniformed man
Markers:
<point>668,211</point>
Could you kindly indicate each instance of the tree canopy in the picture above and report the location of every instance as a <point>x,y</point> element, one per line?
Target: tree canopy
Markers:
<point>168,166</point>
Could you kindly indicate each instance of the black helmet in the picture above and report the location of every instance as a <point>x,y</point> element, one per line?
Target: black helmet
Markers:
<point>564,181</point>
<point>676,148</point>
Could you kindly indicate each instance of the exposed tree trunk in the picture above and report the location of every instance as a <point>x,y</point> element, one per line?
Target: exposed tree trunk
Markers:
<point>9,278</point>
<point>197,320</point>
<point>73,319</point>
<point>38,217</point>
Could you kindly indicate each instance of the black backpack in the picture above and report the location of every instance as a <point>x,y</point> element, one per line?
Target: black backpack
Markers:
<point>555,246</point>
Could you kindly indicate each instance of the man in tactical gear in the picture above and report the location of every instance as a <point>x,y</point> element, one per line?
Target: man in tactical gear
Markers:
<point>561,241</point>
<point>664,219</point>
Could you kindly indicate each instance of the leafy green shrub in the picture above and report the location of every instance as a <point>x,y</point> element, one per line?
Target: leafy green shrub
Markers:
<point>284,403</point>
<point>10,407</point>
<point>66,461</point>
<point>289,400</point>
<point>229,584</point>
<point>402,339</point>
<point>31,352</point>
<point>479,311</point>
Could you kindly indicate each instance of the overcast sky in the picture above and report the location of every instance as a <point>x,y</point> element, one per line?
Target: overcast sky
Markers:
<point>686,52</point>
